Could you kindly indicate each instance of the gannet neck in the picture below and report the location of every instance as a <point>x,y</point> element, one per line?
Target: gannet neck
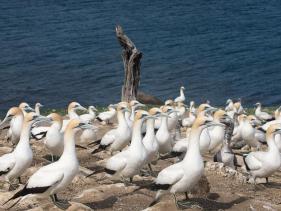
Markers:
<point>271,143</point>
<point>121,119</point>
<point>182,93</point>
<point>150,127</point>
<point>37,109</point>
<point>258,109</point>
<point>92,112</point>
<point>164,123</point>
<point>69,145</point>
<point>25,134</point>
<point>193,145</point>
<point>57,125</point>
<point>136,135</point>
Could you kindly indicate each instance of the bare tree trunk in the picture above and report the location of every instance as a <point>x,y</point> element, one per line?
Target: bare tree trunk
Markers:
<point>131,59</point>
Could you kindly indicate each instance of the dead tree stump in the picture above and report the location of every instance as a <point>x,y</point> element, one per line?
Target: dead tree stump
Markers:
<point>131,59</point>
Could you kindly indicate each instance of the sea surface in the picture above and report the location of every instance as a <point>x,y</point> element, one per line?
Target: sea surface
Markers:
<point>55,51</point>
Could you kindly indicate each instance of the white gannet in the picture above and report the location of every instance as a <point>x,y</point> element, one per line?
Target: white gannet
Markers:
<point>264,164</point>
<point>14,118</point>
<point>277,113</point>
<point>229,105</point>
<point>247,132</point>
<point>116,139</point>
<point>149,140</point>
<point>13,164</point>
<point>89,134</point>
<point>54,136</point>
<point>184,175</point>
<point>192,107</point>
<point>129,162</point>
<point>238,107</point>
<point>90,116</point>
<point>37,108</point>
<point>53,178</point>
<point>181,98</point>
<point>263,116</point>
<point>188,121</point>
<point>163,136</point>
<point>107,116</point>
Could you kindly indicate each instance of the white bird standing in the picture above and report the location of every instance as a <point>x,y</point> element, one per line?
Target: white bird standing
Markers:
<point>183,176</point>
<point>107,116</point>
<point>263,116</point>
<point>150,141</point>
<point>13,164</point>
<point>54,137</point>
<point>89,134</point>
<point>264,164</point>
<point>14,118</point>
<point>116,139</point>
<point>181,98</point>
<point>129,162</point>
<point>37,108</point>
<point>53,178</point>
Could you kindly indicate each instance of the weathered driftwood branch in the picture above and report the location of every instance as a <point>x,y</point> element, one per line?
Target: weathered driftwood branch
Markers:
<point>131,59</point>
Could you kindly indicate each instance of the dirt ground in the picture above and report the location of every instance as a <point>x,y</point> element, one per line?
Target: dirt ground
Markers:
<point>220,190</point>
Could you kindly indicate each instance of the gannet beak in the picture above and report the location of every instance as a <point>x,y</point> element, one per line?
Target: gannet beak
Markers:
<point>29,109</point>
<point>85,126</point>
<point>151,117</point>
<point>81,108</point>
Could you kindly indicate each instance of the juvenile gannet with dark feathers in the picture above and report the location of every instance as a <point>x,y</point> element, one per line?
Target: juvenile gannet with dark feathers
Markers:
<point>53,178</point>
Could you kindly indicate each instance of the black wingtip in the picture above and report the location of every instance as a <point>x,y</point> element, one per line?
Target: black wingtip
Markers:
<point>95,142</point>
<point>156,186</point>
<point>247,167</point>
<point>99,149</point>
<point>99,119</point>
<point>109,171</point>
<point>153,203</point>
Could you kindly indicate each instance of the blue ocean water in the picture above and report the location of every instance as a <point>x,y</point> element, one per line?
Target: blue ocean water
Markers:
<point>59,51</point>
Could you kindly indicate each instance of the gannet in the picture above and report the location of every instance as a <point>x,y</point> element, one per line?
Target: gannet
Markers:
<point>229,105</point>
<point>90,116</point>
<point>181,98</point>
<point>184,175</point>
<point>89,134</point>
<point>163,135</point>
<point>263,116</point>
<point>264,164</point>
<point>150,141</point>
<point>107,116</point>
<point>238,107</point>
<point>129,162</point>
<point>37,108</point>
<point>14,118</point>
<point>53,178</point>
<point>13,164</point>
<point>116,139</point>
<point>188,121</point>
<point>54,136</point>
<point>247,132</point>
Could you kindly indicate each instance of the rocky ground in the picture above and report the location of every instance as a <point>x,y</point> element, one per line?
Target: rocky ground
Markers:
<point>220,189</point>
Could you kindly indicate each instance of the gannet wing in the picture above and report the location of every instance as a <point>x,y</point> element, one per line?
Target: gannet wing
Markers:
<point>108,138</point>
<point>254,160</point>
<point>117,162</point>
<point>7,162</point>
<point>170,175</point>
